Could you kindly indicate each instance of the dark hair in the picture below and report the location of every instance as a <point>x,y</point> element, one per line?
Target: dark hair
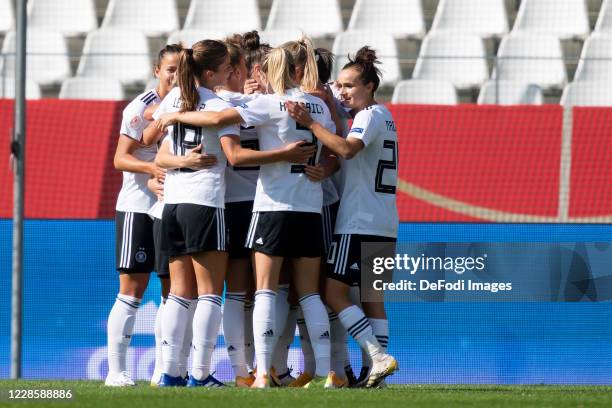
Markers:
<point>365,63</point>
<point>204,55</point>
<point>325,61</point>
<point>168,49</point>
<point>234,47</point>
<point>254,50</point>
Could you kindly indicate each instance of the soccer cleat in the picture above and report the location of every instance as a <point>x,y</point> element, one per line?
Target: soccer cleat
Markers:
<point>334,381</point>
<point>169,381</point>
<point>382,367</point>
<point>262,381</point>
<point>301,381</point>
<point>350,375</point>
<point>156,378</point>
<point>121,379</point>
<point>363,378</point>
<point>244,382</point>
<point>285,379</point>
<point>209,381</point>
<point>274,380</point>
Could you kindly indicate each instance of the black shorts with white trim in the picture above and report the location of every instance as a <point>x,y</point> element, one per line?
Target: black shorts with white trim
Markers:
<point>290,234</point>
<point>329,215</point>
<point>238,217</point>
<point>134,250</point>
<point>192,228</point>
<point>162,262</point>
<point>344,256</point>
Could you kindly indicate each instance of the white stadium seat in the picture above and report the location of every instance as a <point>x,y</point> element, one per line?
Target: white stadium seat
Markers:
<point>454,57</point>
<point>565,19</point>
<point>483,18</point>
<point>596,59</point>
<point>585,93</point>
<point>7,88</point>
<point>153,17</point>
<point>604,21</point>
<point>190,37</point>
<point>317,18</point>
<point>47,57</point>
<point>531,59</point>
<point>402,18</point>
<point>119,54</point>
<point>384,45</point>
<point>7,16</point>
<point>279,37</point>
<point>71,18</point>
<point>510,93</point>
<point>425,92</point>
<point>92,88</point>
<point>223,16</point>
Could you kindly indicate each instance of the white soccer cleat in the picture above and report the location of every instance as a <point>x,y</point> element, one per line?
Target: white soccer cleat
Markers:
<point>156,378</point>
<point>121,379</point>
<point>382,366</point>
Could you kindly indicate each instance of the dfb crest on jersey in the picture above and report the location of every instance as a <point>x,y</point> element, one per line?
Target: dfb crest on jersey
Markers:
<point>141,256</point>
<point>135,122</point>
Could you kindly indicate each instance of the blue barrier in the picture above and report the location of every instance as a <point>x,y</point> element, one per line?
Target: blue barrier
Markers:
<point>70,285</point>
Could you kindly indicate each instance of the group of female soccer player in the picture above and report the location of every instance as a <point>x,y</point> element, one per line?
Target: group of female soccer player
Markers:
<point>239,171</point>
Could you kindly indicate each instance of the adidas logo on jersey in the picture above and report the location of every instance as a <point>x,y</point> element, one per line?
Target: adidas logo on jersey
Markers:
<point>325,335</point>
<point>355,266</point>
<point>164,343</point>
<point>259,241</point>
<point>269,333</point>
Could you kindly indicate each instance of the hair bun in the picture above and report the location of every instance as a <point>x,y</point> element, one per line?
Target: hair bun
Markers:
<point>366,55</point>
<point>250,40</point>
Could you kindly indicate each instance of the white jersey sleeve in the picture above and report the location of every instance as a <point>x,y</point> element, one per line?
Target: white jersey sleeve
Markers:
<point>134,123</point>
<point>256,112</point>
<point>365,126</point>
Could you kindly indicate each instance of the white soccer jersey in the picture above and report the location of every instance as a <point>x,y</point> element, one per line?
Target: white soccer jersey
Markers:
<point>284,186</point>
<point>134,195</point>
<point>338,177</point>
<point>203,187</point>
<point>241,181</point>
<point>367,205</point>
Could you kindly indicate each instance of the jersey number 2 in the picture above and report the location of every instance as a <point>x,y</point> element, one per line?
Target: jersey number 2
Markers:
<point>379,187</point>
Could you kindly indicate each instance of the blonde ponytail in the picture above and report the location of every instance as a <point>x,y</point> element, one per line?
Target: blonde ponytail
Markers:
<point>303,54</point>
<point>279,68</point>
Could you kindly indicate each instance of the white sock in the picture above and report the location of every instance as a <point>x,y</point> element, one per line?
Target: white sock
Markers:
<point>281,351</point>
<point>355,296</point>
<point>380,328</point>
<point>158,336</point>
<point>309,359</point>
<point>249,342</point>
<point>318,329</point>
<point>358,326</point>
<point>119,331</point>
<point>186,348</point>
<point>206,323</point>
<point>282,312</point>
<point>264,314</point>
<point>339,352</point>
<point>233,331</point>
<point>174,322</point>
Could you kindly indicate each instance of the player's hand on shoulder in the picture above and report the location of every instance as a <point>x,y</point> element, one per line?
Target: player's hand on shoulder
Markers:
<point>299,152</point>
<point>158,173</point>
<point>299,113</point>
<point>316,173</point>
<point>168,119</point>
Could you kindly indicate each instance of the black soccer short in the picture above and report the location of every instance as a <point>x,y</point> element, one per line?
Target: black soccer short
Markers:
<point>191,228</point>
<point>329,215</point>
<point>344,256</point>
<point>290,234</point>
<point>238,217</point>
<point>162,262</point>
<point>134,250</point>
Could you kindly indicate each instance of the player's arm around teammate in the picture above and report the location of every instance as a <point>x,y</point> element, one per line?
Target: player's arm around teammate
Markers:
<point>367,211</point>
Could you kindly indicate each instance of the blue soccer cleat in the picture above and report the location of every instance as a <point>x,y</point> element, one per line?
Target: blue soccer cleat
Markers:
<point>209,381</point>
<point>169,381</point>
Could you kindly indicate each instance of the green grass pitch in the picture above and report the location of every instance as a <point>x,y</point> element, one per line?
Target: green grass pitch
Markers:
<point>94,394</point>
